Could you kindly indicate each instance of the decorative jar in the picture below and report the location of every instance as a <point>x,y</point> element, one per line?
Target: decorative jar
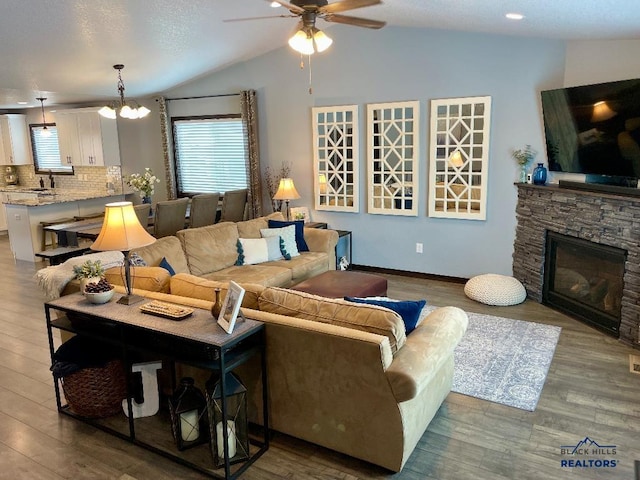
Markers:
<point>540,175</point>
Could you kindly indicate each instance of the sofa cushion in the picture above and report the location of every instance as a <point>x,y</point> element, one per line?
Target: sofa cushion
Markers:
<point>251,228</point>
<point>305,265</point>
<point>299,224</point>
<point>153,279</point>
<point>165,247</point>
<point>263,274</point>
<point>288,235</point>
<point>211,248</point>
<point>258,250</point>
<point>187,285</point>
<point>335,311</point>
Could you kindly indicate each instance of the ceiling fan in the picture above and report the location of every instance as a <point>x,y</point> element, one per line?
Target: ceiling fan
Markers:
<point>308,39</point>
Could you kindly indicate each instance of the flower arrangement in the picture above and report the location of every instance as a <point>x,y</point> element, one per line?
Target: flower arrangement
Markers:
<point>145,183</point>
<point>524,156</point>
<point>89,269</point>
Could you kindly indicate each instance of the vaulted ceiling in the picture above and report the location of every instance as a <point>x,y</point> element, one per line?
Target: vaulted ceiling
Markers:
<point>64,49</point>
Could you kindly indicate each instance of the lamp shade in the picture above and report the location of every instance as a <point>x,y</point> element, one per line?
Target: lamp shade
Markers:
<point>286,190</point>
<point>121,229</point>
<point>602,112</point>
<point>456,159</point>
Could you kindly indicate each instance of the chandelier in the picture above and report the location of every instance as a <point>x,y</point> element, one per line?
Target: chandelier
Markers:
<point>111,111</point>
<point>45,132</point>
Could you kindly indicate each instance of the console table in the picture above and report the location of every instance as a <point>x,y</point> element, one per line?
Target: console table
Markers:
<point>197,340</point>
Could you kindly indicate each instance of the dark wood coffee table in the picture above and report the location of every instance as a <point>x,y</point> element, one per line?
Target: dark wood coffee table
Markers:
<point>340,283</point>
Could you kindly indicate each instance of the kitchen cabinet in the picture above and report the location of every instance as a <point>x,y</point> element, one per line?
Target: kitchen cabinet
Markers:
<point>14,140</point>
<point>3,213</point>
<point>86,138</point>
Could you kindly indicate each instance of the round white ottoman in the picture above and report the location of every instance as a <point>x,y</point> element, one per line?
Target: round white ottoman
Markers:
<point>493,289</point>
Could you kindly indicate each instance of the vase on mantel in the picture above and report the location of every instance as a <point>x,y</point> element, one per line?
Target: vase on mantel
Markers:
<point>540,175</point>
<point>146,199</point>
<point>523,173</point>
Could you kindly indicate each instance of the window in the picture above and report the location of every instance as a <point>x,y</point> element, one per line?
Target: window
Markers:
<point>210,154</point>
<point>46,153</point>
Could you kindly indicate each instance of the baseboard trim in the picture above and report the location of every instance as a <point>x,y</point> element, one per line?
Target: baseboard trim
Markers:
<point>406,273</point>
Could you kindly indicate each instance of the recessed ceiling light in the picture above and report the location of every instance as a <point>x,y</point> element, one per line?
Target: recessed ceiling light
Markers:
<point>23,103</point>
<point>275,4</point>
<point>514,16</point>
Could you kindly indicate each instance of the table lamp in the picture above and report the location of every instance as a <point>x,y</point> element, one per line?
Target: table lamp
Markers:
<point>286,191</point>
<point>121,230</point>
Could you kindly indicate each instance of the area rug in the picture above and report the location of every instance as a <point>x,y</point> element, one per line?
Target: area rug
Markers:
<point>504,360</point>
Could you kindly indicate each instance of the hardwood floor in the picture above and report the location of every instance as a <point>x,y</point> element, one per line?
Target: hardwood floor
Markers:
<point>589,392</point>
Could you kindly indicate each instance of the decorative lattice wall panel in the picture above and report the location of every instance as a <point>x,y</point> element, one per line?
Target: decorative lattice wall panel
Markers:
<point>459,157</point>
<point>392,158</point>
<point>336,156</point>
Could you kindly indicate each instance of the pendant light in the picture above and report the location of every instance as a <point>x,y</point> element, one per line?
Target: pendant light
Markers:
<point>45,132</point>
<point>111,111</point>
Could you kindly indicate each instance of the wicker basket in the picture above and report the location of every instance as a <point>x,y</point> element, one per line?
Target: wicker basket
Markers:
<point>96,392</point>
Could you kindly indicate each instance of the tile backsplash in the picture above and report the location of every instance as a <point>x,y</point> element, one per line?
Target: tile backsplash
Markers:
<point>95,179</point>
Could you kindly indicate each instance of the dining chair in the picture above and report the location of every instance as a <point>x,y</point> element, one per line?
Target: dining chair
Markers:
<point>204,208</point>
<point>143,211</point>
<point>233,206</point>
<point>169,217</point>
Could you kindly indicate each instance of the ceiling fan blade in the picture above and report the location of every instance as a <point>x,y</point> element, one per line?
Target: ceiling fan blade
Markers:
<point>293,8</point>
<point>258,18</point>
<point>345,5</point>
<point>358,22</point>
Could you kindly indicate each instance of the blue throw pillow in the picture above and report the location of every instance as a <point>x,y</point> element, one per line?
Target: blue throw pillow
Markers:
<point>167,266</point>
<point>409,310</point>
<point>299,224</point>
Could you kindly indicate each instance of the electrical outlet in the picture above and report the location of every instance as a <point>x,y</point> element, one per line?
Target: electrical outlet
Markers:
<point>17,217</point>
<point>418,248</point>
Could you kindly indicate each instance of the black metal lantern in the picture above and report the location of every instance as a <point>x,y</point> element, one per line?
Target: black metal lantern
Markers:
<point>237,425</point>
<point>188,408</point>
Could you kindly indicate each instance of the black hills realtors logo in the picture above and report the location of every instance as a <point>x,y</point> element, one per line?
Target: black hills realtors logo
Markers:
<point>588,453</point>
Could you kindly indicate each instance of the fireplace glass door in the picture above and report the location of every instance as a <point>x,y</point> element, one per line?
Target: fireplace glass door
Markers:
<point>585,280</point>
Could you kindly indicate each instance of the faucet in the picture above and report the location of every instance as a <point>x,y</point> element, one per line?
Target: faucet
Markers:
<point>53,183</point>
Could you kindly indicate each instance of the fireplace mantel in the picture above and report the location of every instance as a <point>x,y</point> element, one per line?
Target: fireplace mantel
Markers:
<point>603,218</point>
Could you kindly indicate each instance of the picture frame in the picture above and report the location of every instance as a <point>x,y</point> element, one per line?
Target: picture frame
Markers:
<point>231,307</point>
<point>299,213</point>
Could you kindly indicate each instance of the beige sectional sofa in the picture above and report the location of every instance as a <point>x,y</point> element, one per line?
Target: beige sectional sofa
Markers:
<point>210,253</point>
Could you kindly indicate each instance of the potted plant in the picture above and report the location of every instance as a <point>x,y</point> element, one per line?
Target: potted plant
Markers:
<point>524,156</point>
<point>88,272</point>
<point>144,184</point>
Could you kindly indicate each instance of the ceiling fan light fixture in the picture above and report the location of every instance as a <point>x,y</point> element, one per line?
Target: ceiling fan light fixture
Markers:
<point>322,40</point>
<point>302,42</point>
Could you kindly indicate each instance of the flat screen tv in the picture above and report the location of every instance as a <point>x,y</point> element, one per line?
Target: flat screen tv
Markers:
<point>595,130</point>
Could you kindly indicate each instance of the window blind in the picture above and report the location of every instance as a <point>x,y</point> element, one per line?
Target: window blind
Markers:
<point>209,154</point>
<point>45,149</point>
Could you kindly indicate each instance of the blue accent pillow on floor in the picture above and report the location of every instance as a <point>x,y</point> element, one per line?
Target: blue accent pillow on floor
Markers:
<point>299,224</point>
<point>409,310</point>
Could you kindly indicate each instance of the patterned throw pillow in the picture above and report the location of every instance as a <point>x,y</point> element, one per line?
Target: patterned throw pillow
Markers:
<point>136,260</point>
<point>299,224</point>
<point>258,250</point>
<point>288,235</point>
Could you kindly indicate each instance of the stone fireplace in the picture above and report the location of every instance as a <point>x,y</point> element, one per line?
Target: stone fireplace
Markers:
<point>601,220</point>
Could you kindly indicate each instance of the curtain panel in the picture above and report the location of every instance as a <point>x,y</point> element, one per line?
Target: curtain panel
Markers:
<point>249,106</point>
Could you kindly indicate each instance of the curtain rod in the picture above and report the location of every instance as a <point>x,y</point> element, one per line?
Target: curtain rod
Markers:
<point>203,96</point>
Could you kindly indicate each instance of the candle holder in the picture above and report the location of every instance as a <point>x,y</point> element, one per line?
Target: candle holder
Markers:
<point>188,409</point>
<point>237,425</point>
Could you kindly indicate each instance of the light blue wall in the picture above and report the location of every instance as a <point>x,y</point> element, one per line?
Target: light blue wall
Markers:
<point>395,64</point>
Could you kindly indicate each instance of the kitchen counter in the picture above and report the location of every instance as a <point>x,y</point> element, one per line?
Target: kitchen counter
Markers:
<point>49,196</point>
<point>24,215</point>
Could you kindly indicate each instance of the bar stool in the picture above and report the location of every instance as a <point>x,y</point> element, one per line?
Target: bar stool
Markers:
<point>54,237</point>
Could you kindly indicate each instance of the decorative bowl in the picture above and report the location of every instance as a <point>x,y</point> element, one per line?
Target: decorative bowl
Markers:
<point>100,297</point>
